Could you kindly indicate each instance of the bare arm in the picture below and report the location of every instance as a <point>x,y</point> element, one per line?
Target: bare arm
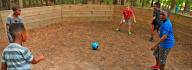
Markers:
<point>161,40</point>
<point>37,59</point>
<point>3,66</point>
<point>134,18</point>
<point>133,15</point>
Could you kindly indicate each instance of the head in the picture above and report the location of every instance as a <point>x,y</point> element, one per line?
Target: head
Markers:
<point>18,32</point>
<point>16,11</point>
<point>163,15</point>
<point>157,5</point>
<point>127,5</point>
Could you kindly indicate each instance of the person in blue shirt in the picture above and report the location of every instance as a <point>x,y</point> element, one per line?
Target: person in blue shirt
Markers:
<point>177,9</point>
<point>165,44</point>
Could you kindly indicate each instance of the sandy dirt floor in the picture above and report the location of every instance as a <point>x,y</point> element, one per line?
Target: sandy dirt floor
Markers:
<point>66,46</point>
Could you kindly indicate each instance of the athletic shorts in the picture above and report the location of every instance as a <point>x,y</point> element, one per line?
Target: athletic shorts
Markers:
<point>126,21</point>
<point>162,54</point>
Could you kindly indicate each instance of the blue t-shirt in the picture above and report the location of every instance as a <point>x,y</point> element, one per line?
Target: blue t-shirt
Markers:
<point>166,28</point>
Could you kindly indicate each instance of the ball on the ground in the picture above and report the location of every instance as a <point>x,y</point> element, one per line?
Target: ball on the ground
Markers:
<point>95,45</point>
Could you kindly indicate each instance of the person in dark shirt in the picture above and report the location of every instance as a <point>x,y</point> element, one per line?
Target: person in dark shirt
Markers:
<point>156,20</point>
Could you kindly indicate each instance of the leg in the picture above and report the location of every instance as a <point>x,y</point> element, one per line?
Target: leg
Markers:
<point>129,26</point>
<point>156,54</point>
<point>157,61</point>
<point>162,66</point>
<point>118,28</point>
<point>163,57</point>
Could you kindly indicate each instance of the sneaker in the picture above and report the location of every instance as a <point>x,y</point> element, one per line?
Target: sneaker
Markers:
<point>155,67</point>
<point>117,29</point>
<point>129,33</point>
<point>151,39</point>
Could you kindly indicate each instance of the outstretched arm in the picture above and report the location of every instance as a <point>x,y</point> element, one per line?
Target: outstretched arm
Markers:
<point>161,40</point>
<point>134,18</point>
<point>37,59</point>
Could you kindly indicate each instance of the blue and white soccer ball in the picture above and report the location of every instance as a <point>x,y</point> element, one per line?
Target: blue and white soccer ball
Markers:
<point>95,45</point>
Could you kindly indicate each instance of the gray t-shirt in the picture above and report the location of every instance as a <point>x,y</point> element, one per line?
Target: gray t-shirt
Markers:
<point>11,19</point>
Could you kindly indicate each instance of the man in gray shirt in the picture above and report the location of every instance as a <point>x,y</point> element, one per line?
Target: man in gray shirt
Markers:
<point>13,18</point>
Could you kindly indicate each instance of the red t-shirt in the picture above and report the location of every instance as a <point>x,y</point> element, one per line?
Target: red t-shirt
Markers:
<point>127,13</point>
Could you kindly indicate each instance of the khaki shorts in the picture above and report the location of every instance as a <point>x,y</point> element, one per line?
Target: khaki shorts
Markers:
<point>126,21</point>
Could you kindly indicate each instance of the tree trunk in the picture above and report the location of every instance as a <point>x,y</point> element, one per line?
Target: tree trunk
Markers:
<point>114,2</point>
<point>41,3</point>
<point>47,2</point>
<point>93,1</point>
<point>122,2</point>
<point>5,4</point>
<point>143,2</point>
<point>147,2</point>
<point>134,3</point>
<point>152,3</point>
<point>158,1</point>
<point>173,5</point>
<point>187,6</point>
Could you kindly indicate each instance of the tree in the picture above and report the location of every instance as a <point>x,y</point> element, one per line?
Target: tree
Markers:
<point>122,2</point>
<point>6,4</point>
<point>187,6</point>
<point>173,5</point>
<point>152,3</point>
<point>114,1</point>
<point>143,2</point>
<point>158,0</point>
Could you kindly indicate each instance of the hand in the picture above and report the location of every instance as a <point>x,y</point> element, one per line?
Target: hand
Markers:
<point>123,20</point>
<point>38,59</point>
<point>153,48</point>
<point>41,57</point>
<point>153,18</point>
<point>134,21</point>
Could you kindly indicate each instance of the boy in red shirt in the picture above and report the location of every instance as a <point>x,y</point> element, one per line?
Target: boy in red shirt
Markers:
<point>127,15</point>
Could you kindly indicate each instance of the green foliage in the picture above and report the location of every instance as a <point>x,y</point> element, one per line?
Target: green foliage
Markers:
<point>108,1</point>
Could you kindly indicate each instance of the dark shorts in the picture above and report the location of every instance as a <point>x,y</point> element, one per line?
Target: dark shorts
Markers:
<point>156,25</point>
<point>10,38</point>
<point>162,54</point>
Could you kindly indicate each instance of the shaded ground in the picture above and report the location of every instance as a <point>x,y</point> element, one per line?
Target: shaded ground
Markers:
<point>67,47</point>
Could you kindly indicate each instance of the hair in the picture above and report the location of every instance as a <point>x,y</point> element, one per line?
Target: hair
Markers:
<point>15,8</point>
<point>164,13</point>
<point>158,4</point>
<point>14,28</point>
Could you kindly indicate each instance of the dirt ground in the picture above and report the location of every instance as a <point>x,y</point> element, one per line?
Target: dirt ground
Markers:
<point>66,46</point>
